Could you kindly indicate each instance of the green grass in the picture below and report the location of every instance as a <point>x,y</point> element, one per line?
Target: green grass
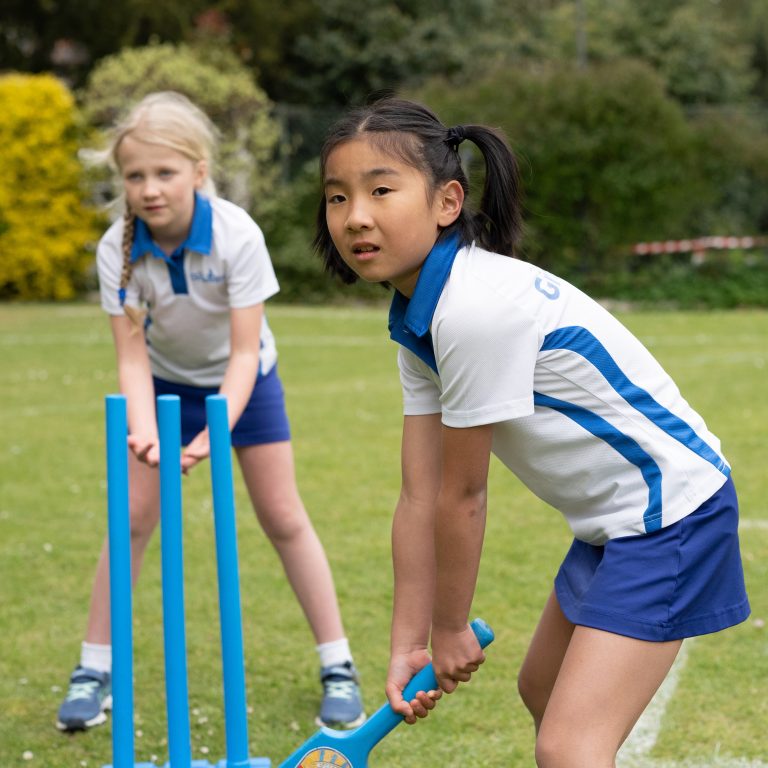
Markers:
<point>344,400</point>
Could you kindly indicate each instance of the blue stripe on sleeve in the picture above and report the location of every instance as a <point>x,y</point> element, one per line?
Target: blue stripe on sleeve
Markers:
<point>622,444</point>
<point>581,341</point>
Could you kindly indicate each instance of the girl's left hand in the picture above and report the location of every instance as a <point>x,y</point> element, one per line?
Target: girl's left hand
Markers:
<point>196,451</point>
<point>455,656</point>
<point>146,448</point>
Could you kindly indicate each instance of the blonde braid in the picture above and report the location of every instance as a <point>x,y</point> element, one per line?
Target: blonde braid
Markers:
<point>134,314</point>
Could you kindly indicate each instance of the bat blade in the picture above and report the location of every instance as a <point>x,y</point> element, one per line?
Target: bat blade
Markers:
<point>350,749</point>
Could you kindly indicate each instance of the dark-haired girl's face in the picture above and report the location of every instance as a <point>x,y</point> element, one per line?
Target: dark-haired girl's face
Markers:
<point>381,214</point>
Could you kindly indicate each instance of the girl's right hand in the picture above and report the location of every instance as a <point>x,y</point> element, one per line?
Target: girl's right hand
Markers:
<point>402,667</point>
<point>146,449</point>
<point>198,449</point>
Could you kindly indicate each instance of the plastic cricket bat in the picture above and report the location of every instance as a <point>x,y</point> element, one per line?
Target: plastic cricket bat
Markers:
<point>350,749</point>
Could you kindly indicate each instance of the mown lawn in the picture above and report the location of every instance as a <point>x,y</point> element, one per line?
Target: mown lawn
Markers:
<point>339,370</point>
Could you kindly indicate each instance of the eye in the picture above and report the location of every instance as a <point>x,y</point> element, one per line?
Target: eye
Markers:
<point>335,199</point>
<point>133,176</point>
<point>380,191</point>
<point>165,173</point>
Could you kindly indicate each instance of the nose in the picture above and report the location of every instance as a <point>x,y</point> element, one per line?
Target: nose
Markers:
<point>358,217</point>
<point>149,189</point>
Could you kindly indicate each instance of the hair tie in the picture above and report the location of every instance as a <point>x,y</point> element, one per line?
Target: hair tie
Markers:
<point>455,136</point>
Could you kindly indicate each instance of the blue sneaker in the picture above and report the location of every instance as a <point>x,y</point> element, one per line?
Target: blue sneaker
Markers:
<point>88,697</point>
<point>342,704</point>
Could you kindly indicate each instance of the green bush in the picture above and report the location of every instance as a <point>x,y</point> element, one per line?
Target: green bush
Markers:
<point>609,159</point>
<point>287,219</point>
<point>220,85</point>
<point>732,152</point>
<point>46,230</point>
<point>724,280</point>
<point>606,156</point>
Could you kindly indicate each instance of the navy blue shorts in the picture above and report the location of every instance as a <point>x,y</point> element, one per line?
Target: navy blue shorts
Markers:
<point>680,581</point>
<point>264,419</point>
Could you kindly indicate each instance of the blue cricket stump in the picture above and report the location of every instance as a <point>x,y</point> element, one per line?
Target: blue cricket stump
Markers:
<point>177,700</point>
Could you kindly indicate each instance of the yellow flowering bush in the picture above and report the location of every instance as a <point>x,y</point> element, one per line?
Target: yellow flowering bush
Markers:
<point>47,232</point>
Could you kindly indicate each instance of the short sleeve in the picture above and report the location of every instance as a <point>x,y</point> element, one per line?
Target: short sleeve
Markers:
<point>421,394</point>
<point>251,276</point>
<point>486,356</point>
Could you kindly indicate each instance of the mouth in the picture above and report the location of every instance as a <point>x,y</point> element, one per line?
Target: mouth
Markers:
<point>364,251</point>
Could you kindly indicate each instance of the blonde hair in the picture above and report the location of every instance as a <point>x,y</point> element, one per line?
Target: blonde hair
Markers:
<point>168,119</point>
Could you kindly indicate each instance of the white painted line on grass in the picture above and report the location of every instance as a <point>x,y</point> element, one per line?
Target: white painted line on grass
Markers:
<point>637,748</point>
<point>754,524</point>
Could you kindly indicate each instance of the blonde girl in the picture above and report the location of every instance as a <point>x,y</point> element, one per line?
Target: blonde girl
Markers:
<point>184,276</point>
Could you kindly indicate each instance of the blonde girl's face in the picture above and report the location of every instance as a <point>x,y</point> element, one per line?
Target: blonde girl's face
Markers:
<point>160,185</point>
<point>380,214</point>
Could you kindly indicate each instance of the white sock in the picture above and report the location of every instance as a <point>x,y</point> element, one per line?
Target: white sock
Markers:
<point>95,656</point>
<point>334,653</point>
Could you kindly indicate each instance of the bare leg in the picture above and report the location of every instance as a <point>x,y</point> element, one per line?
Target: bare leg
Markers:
<point>541,666</point>
<point>268,471</point>
<point>603,685</point>
<point>144,499</point>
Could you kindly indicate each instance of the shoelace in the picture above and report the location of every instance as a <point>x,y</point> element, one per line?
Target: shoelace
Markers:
<point>341,689</point>
<point>82,690</point>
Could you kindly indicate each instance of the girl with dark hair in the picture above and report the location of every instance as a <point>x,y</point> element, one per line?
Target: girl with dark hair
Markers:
<point>498,356</point>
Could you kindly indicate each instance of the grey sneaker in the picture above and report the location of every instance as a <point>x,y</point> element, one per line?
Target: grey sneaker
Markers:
<point>88,697</point>
<point>342,704</point>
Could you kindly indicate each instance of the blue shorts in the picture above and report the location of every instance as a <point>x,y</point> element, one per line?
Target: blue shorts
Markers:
<point>680,581</point>
<point>264,419</point>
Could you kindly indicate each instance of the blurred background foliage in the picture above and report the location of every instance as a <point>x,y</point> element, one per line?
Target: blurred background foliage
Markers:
<point>634,120</point>
<point>46,233</point>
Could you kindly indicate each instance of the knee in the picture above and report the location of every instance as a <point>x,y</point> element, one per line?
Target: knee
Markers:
<point>560,748</point>
<point>550,750</point>
<point>282,522</point>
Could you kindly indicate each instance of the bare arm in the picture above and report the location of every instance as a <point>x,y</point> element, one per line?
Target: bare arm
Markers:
<point>459,530</point>
<point>413,533</point>
<point>413,554</point>
<point>239,378</point>
<point>437,542</point>
<point>135,381</point>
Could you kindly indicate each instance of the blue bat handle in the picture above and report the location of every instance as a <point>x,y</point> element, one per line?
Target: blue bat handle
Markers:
<point>381,722</point>
<point>352,747</point>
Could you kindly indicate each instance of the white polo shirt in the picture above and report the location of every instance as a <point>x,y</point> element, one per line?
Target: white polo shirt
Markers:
<point>583,413</point>
<point>224,264</point>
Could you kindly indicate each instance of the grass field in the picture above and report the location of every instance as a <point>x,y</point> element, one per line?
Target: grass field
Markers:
<point>343,397</point>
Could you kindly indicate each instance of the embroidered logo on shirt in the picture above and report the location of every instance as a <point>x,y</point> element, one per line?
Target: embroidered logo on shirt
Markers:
<point>206,277</point>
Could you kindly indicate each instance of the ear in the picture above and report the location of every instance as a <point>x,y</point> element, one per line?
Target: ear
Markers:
<point>201,173</point>
<point>450,199</point>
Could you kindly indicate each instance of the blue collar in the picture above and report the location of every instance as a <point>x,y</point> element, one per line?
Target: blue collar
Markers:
<point>410,319</point>
<point>198,240</point>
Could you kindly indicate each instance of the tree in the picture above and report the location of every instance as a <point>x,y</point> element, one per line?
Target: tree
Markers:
<point>216,81</point>
<point>69,36</point>
<point>357,49</point>
<point>703,54</point>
